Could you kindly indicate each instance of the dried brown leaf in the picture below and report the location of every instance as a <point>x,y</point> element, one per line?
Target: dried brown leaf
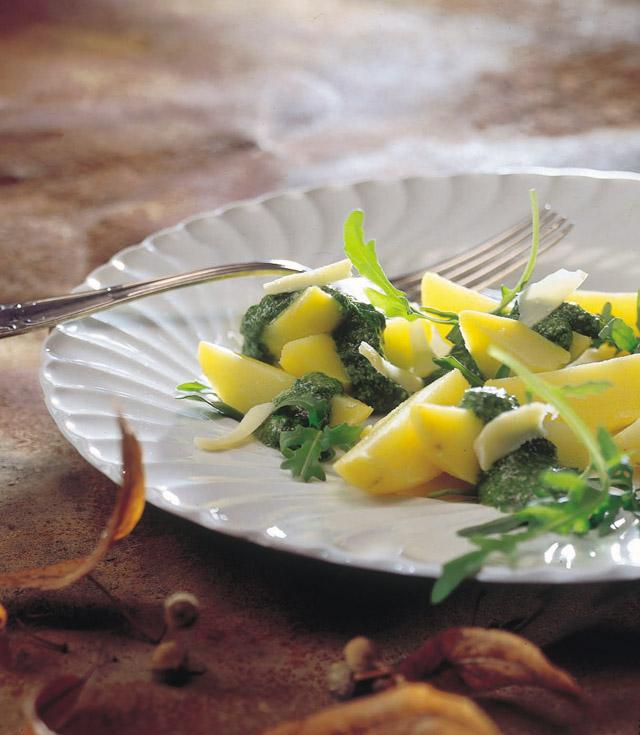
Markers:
<point>5,652</point>
<point>479,661</point>
<point>50,707</point>
<point>126,513</point>
<point>407,709</point>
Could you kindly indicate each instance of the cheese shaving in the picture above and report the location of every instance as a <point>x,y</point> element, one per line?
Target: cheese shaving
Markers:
<point>315,277</point>
<point>250,422</point>
<point>539,299</point>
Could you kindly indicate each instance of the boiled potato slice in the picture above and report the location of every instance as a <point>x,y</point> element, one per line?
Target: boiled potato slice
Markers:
<point>315,353</point>
<point>579,344</point>
<point>391,457</point>
<point>348,410</point>
<point>448,434</point>
<point>623,305</point>
<point>482,331</point>
<point>397,343</point>
<point>313,311</point>
<point>408,345</point>
<point>614,408</point>
<point>595,354</point>
<point>440,293</point>
<point>238,380</point>
<point>571,451</point>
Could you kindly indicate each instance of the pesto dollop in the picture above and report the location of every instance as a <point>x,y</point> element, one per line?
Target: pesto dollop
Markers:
<point>312,392</point>
<point>487,402</point>
<point>559,326</point>
<point>255,321</point>
<point>511,482</point>
<point>362,322</point>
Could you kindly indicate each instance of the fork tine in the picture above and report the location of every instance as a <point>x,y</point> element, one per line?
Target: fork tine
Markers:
<point>494,258</point>
<point>502,245</point>
<point>492,272</point>
<point>475,269</point>
<point>519,232</point>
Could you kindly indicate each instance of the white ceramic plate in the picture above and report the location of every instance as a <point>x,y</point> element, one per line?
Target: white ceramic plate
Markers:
<point>130,359</point>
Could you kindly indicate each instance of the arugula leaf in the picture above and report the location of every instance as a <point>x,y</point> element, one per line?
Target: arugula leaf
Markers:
<point>195,391</point>
<point>195,386</point>
<point>302,449</point>
<point>305,447</point>
<point>388,298</point>
<point>509,294</point>
<point>342,436</point>
<point>619,334</point>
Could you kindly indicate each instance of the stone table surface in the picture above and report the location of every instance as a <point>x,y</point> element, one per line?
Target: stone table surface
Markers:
<point>120,118</point>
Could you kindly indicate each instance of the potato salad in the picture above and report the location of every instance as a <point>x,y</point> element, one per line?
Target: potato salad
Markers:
<point>529,402</point>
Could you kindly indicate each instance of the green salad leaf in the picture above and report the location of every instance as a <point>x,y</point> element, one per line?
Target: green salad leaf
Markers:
<point>385,296</point>
<point>509,294</point>
<point>305,447</point>
<point>195,391</point>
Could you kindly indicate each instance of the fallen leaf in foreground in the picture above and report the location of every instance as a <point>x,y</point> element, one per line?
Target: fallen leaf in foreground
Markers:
<point>406,709</point>
<point>125,515</point>
<point>479,661</point>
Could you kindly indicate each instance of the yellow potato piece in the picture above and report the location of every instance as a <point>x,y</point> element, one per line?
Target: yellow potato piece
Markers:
<point>448,434</point>
<point>407,345</point>
<point>614,408</point>
<point>397,343</point>
<point>348,410</point>
<point>315,353</point>
<point>579,345</point>
<point>623,305</point>
<point>440,293</point>
<point>238,380</point>
<point>391,457</point>
<point>571,451</point>
<point>481,331</point>
<point>314,311</point>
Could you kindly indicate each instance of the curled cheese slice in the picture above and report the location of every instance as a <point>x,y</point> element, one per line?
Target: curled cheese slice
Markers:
<point>315,277</point>
<point>410,382</point>
<point>510,430</point>
<point>539,299</point>
<point>250,422</point>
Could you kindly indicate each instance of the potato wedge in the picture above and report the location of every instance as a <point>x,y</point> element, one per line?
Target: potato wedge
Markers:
<point>392,457</point>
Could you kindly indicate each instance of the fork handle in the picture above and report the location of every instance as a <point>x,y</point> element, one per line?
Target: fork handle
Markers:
<point>25,316</point>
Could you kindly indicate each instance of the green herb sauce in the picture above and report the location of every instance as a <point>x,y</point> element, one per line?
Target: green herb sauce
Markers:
<point>488,402</point>
<point>312,392</point>
<point>511,482</point>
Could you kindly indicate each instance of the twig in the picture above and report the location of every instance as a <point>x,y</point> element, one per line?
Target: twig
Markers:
<point>131,620</point>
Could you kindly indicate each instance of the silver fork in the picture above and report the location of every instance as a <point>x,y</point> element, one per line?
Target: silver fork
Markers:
<point>476,268</point>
